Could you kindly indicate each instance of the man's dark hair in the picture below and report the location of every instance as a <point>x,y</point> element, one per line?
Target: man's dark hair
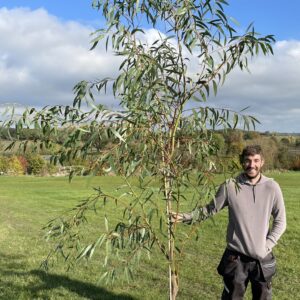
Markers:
<point>250,151</point>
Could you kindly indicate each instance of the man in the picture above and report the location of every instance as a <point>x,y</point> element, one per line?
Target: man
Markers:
<point>252,199</point>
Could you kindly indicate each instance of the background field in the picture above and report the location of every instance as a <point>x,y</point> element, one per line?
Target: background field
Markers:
<point>27,203</point>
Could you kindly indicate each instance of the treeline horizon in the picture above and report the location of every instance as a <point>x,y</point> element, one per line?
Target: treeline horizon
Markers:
<point>282,151</point>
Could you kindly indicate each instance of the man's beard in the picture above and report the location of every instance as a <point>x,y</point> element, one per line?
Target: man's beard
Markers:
<point>254,176</point>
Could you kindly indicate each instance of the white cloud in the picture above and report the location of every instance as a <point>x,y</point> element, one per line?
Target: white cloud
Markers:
<point>42,58</point>
<point>271,90</point>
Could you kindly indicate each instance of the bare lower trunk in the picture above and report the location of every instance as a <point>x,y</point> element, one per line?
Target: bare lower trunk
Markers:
<point>173,276</point>
<point>173,283</point>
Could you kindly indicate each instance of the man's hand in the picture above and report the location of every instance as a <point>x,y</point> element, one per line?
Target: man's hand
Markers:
<point>176,217</point>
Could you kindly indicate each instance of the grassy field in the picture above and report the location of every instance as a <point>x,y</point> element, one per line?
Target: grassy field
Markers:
<point>27,203</point>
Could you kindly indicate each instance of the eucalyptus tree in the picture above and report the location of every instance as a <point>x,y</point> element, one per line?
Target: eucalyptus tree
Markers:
<point>161,131</point>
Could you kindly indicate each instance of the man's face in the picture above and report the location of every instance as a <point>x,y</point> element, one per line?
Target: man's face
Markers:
<point>252,165</point>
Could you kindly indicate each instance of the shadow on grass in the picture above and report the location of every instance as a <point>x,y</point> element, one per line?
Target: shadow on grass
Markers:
<point>37,284</point>
<point>83,289</point>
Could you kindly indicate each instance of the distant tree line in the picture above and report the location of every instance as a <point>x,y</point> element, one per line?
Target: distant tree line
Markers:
<point>282,151</point>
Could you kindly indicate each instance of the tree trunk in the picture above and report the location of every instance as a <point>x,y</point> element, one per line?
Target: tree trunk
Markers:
<point>174,287</point>
<point>173,276</point>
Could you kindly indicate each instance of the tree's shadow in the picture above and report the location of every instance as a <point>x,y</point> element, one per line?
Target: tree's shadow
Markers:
<point>11,268</point>
<point>83,289</point>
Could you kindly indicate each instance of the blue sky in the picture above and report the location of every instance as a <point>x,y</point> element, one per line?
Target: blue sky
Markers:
<point>79,10</point>
<point>280,18</point>
<point>44,52</point>
<point>270,16</point>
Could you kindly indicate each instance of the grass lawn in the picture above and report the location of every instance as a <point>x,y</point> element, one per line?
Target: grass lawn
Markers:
<point>27,203</point>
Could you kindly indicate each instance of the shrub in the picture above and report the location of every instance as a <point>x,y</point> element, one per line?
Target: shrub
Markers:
<point>14,166</point>
<point>36,164</point>
<point>49,169</point>
<point>235,148</point>
<point>24,163</point>
<point>295,165</point>
<point>251,135</point>
<point>285,141</point>
<point>219,141</point>
<point>3,164</point>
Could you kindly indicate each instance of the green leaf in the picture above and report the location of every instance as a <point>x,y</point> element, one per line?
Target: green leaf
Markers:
<point>215,87</point>
<point>103,276</point>
<point>117,134</point>
<point>84,251</point>
<point>106,223</point>
<point>181,11</point>
<point>235,120</point>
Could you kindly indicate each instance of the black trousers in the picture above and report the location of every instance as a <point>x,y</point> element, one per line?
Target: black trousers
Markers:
<point>238,270</point>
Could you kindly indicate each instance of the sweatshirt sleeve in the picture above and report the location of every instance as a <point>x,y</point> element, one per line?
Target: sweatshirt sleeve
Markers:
<point>202,213</point>
<point>279,219</point>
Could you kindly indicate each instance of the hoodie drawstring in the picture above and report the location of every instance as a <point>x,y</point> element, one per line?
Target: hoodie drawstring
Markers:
<point>253,192</point>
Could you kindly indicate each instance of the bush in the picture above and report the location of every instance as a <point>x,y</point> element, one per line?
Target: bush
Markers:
<point>251,135</point>
<point>295,165</point>
<point>14,166</point>
<point>235,148</point>
<point>50,169</point>
<point>3,164</point>
<point>24,163</point>
<point>219,141</point>
<point>36,164</point>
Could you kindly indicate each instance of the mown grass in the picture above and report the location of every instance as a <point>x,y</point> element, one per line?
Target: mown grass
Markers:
<point>27,203</point>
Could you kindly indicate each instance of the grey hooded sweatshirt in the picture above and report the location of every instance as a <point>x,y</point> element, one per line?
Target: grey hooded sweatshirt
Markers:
<point>250,209</point>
